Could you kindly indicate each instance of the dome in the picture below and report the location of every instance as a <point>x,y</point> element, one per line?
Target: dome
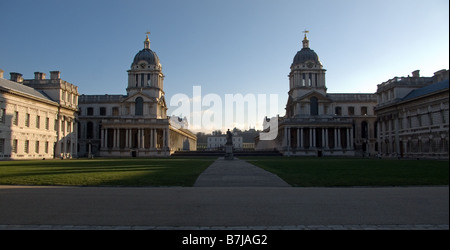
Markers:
<point>146,55</point>
<point>304,55</point>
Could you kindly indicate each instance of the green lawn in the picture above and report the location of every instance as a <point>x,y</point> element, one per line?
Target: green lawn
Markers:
<point>327,172</point>
<point>104,172</point>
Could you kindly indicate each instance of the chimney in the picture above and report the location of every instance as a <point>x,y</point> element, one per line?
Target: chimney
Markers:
<point>16,77</point>
<point>39,76</point>
<point>55,75</point>
<point>1,73</point>
<point>416,73</point>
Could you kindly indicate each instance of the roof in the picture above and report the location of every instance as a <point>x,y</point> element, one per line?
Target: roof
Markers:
<point>304,55</point>
<point>17,87</point>
<point>146,55</point>
<point>435,87</point>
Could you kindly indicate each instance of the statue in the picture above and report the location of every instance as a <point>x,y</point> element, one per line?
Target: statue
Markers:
<point>229,138</point>
<point>229,146</point>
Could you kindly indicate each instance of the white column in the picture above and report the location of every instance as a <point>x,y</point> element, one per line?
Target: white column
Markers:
<point>102,138</point>
<point>142,138</point>
<point>310,138</point>
<point>326,138</point>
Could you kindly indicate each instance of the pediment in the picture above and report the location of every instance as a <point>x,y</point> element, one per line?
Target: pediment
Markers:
<point>146,98</point>
<point>307,97</point>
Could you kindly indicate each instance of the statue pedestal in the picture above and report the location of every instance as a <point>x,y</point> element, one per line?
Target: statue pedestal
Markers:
<point>229,152</point>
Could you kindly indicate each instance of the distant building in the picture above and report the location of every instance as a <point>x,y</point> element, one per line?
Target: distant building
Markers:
<point>413,116</point>
<point>37,117</point>
<point>135,124</point>
<point>218,142</point>
<point>319,123</point>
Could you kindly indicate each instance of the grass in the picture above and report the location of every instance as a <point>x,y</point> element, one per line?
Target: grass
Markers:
<point>300,172</point>
<point>104,172</point>
<point>327,172</point>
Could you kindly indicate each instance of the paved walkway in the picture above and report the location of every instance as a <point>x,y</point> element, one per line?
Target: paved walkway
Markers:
<point>237,173</point>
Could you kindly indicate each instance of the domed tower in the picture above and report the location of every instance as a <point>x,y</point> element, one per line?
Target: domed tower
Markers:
<point>307,71</point>
<point>145,74</point>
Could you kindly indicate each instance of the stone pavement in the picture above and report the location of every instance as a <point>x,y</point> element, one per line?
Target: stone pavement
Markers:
<point>237,173</point>
<point>214,205</point>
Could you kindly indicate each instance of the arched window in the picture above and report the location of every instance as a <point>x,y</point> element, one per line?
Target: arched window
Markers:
<point>139,106</point>
<point>314,106</point>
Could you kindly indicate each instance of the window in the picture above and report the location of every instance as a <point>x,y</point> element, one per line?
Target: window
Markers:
<point>63,125</point>
<point>38,121</point>
<point>351,110</point>
<point>139,106</point>
<point>27,120</point>
<point>47,121</point>
<point>363,110</point>
<point>337,111</point>
<point>2,116</point>
<point>102,111</point>
<point>90,111</point>
<point>37,147</point>
<point>16,118</point>
<point>55,127</point>
<point>26,146</point>
<point>69,126</point>
<point>14,146</point>
<point>46,147</point>
<point>314,106</point>
<point>115,111</point>
<point>2,146</point>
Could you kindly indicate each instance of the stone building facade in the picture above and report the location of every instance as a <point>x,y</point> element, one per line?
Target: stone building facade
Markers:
<point>412,116</point>
<point>37,117</point>
<point>319,123</point>
<point>135,124</point>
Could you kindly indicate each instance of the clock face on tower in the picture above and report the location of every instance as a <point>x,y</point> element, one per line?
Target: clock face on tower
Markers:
<point>143,65</point>
<point>309,64</point>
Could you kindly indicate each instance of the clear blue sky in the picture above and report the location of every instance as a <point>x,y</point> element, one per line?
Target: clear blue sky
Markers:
<point>226,47</point>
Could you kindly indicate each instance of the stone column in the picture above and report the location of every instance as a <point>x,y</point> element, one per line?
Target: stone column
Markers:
<point>106,138</point>
<point>323,138</point>
<point>314,137</point>
<point>339,138</point>
<point>155,137</point>
<point>298,137</point>
<point>151,138</point>
<point>142,138</point>
<point>301,138</point>
<point>102,138</point>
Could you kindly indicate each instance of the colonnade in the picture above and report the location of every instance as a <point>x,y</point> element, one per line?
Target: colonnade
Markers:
<point>302,138</point>
<point>136,138</point>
